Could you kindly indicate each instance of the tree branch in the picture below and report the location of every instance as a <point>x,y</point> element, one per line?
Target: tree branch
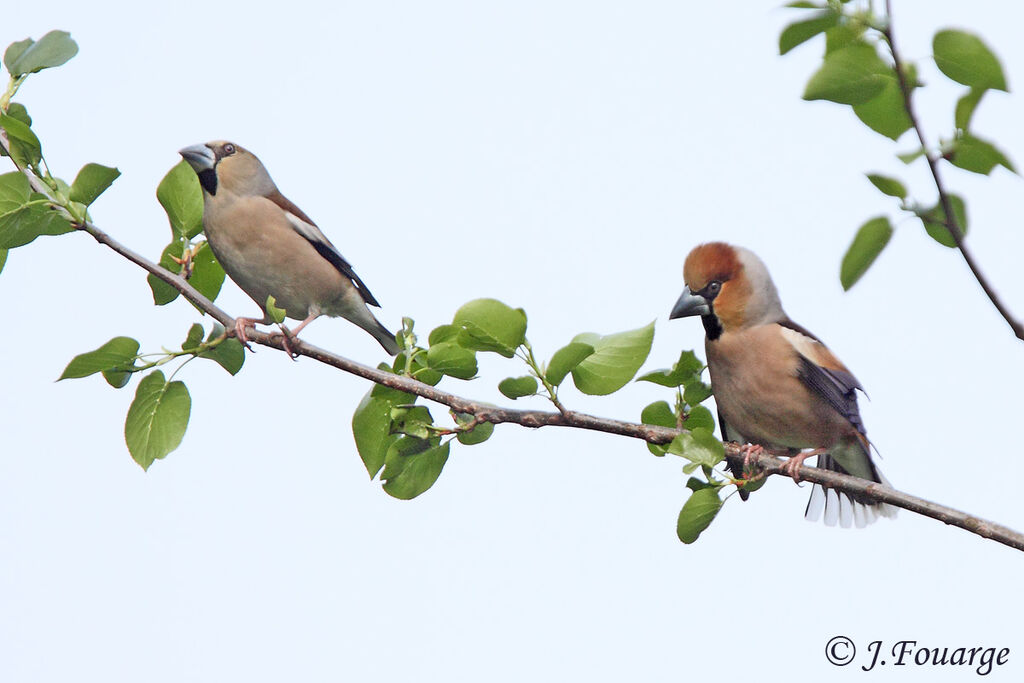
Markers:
<point>933,164</point>
<point>766,463</point>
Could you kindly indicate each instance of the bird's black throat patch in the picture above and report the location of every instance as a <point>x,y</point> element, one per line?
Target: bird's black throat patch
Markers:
<point>208,179</point>
<point>712,325</point>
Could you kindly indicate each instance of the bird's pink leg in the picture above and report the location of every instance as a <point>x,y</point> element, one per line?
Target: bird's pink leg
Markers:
<point>792,466</point>
<point>287,337</point>
<point>292,335</point>
<point>308,320</point>
<point>748,451</point>
<point>240,325</point>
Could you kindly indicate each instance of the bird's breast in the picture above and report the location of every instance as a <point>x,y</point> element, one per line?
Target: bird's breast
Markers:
<point>760,395</point>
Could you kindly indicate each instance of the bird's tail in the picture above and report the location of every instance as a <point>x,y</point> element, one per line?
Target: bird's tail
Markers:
<point>847,509</point>
<point>384,336</point>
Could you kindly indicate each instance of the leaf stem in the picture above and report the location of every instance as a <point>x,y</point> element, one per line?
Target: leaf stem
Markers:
<point>933,164</point>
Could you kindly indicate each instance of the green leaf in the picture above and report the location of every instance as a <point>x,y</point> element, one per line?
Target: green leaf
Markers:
<point>965,107</point>
<point>26,149</point>
<point>685,369</point>
<point>696,392</point>
<point>275,314</point>
<point>800,32</point>
<point>452,359</point>
<point>29,56</point>
<point>207,275</point>
<point>14,191</point>
<point>91,182</point>
<point>117,378</point>
<point>3,259</point>
<point>412,421</point>
<point>887,185</point>
<point>517,387</point>
<point>24,224</point>
<point>194,338</point>
<point>410,470</point>
<point>615,360</point>
<point>699,417</point>
<point>393,396</point>
<point>229,354</point>
<point>911,157</point>
<point>164,293</point>
<point>658,413</point>
<point>182,198</point>
<point>850,75</point>
<point>115,356</point>
<point>695,484</point>
<point>698,512</point>
<point>157,418</point>
<point>478,434</point>
<point>490,325</point>
<point>444,333</point>
<point>843,34</point>
<point>419,368</point>
<point>964,58</point>
<point>934,220</point>
<point>371,427</point>
<point>885,113</point>
<point>977,155</point>
<point>870,240</point>
<point>699,446</point>
<point>565,359</point>
<point>18,111</point>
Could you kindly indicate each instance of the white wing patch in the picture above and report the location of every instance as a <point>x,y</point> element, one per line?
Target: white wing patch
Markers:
<point>308,230</point>
<point>804,345</point>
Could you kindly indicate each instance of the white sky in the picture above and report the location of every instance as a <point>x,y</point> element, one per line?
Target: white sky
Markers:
<point>560,156</point>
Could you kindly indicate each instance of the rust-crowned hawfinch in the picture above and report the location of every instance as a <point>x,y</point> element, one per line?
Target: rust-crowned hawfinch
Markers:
<point>776,385</point>
<point>269,247</point>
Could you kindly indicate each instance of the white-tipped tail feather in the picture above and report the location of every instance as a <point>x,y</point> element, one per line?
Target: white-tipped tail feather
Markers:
<point>842,509</point>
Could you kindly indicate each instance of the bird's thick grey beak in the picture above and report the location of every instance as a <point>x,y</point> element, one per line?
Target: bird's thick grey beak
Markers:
<point>199,157</point>
<point>204,162</point>
<point>690,304</point>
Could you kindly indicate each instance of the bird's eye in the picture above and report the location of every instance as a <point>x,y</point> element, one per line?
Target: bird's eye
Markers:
<point>229,149</point>
<point>713,288</point>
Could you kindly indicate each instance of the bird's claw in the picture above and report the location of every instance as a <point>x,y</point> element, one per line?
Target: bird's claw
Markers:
<point>792,466</point>
<point>240,325</point>
<point>286,340</point>
<point>748,451</point>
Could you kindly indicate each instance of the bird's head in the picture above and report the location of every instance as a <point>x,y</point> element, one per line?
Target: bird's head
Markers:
<point>729,287</point>
<point>225,165</point>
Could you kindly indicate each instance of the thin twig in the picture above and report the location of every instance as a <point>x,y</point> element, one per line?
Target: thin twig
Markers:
<point>767,463</point>
<point>933,164</point>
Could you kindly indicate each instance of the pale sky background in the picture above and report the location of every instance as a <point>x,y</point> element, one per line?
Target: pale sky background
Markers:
<point>563,157</point>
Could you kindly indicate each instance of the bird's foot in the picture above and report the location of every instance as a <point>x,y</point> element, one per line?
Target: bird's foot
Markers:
<point>286,339</point>
<point>748,451</point>
<point>240,325</point>
<point>792,466</point>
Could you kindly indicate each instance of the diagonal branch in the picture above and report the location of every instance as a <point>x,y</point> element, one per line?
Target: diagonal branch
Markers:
<point>933,164</point>
<point>767,463</point>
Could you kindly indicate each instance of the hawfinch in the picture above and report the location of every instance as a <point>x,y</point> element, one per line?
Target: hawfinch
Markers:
<point>776,385</point>
<point>269,247</point>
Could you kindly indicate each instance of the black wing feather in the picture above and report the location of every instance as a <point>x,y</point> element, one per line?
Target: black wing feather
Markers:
<point>344,267</point>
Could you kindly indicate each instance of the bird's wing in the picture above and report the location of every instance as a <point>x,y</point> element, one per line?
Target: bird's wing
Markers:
<point>307,228</point>
<point>823,374</point>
